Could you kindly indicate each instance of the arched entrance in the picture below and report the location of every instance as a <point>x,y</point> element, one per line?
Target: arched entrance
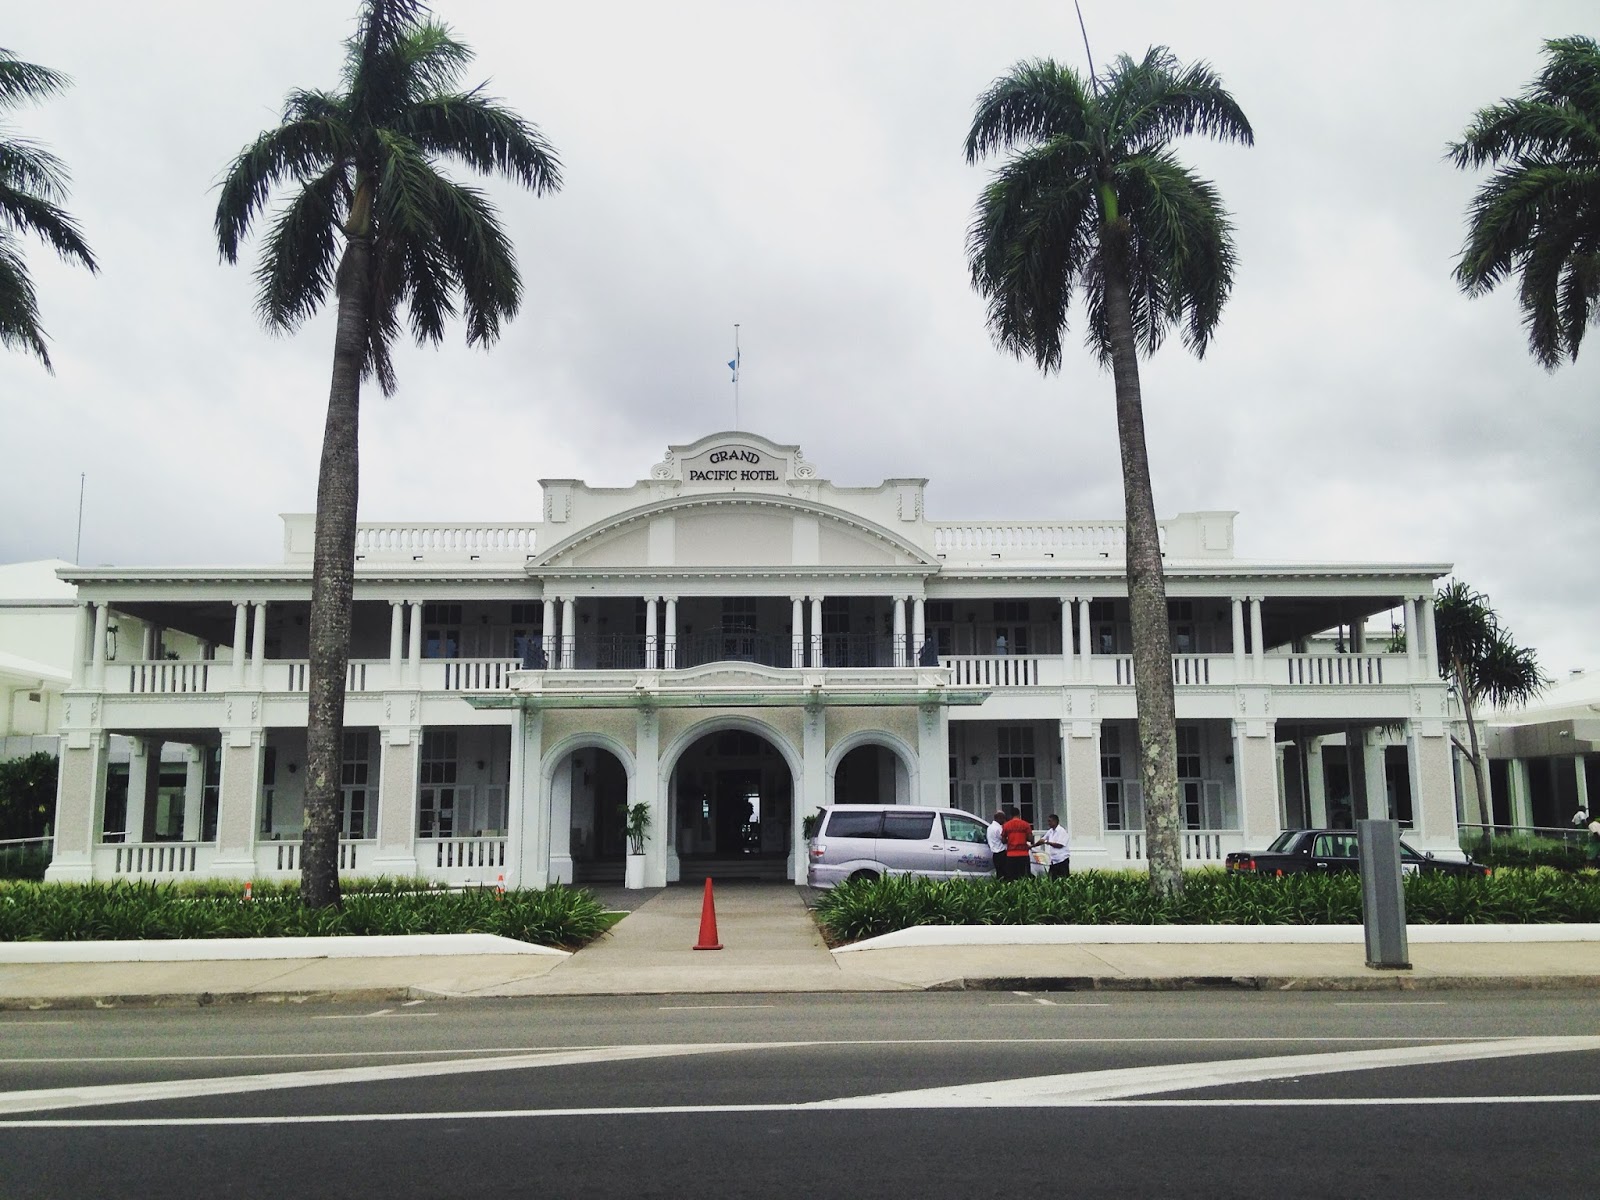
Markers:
<point>732,803</point>
<point>871,774</point>
<point>596,784</point>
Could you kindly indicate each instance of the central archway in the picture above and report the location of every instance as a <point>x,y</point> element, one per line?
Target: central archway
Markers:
<point>732,806</point>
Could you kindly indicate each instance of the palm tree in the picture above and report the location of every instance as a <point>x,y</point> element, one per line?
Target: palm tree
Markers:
<point>1092,200</point>
<point>1481,661</point>
<point>1538,216</point>
<point>373,219</point>
<point>32,183</point>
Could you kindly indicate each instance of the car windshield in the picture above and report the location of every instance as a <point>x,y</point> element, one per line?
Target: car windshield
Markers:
<point>1283,841</point>
<point>1407,852</point>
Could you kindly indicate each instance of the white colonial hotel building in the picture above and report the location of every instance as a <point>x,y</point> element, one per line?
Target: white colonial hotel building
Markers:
<point>733,641</point>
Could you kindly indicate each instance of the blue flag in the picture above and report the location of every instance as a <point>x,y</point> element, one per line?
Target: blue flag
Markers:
<point>733,365</point>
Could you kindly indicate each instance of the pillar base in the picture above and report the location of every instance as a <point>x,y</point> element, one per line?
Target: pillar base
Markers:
<point>395,864</point>
<point>561,869</point>
<point>69,872</point>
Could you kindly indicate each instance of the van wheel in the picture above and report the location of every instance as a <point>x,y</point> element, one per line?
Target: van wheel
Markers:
<point>863,877</point>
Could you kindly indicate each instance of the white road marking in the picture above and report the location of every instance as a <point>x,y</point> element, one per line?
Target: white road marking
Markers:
<point>412,1003</point>
<point>716,1109</point>
<point>231,1085</point>
<point>1390,1003</point>
<point>382,1012</point>
<point>1052,1091</point>
<point>1084,1088</point>
<point>702,1007</point>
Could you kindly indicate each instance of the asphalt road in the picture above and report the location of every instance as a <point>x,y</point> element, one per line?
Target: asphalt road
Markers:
<point>1454,1094</point>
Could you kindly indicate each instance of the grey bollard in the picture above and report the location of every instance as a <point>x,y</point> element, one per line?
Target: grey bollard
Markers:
<point>1383,897</point>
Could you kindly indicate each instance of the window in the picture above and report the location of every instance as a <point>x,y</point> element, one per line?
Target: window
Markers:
<point>441,631</point>
<point>1017,769</point>
<point>355,773</point>
<point>269,780</point>
<point>1180,619</point>
<point>835,614</point>
<point>965,829</point>
<point>1011,627</point>
<point>1111,776</point>
<point>854,824</point>
<point>1103,623</point>
<point>939,625</point>
<point>436,798</point>
<point>907,827</point>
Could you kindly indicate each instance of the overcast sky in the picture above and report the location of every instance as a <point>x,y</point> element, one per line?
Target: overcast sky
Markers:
<point>797,168</point>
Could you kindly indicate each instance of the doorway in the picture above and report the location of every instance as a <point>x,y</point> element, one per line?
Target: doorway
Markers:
<point>732,806</point>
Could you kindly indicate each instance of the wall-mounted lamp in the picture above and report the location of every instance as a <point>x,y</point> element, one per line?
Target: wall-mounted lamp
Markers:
<point>974,760</point>
<point>480,764</point>
<point>111,641</point>
<point>292,768</point>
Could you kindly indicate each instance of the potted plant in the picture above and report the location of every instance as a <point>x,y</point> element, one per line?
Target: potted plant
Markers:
<point>638,825</point>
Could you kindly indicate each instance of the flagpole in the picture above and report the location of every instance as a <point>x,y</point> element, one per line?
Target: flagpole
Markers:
<point>737,363</point>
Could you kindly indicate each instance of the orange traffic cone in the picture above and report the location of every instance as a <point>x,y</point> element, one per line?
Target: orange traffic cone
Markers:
<point>247,894</point>
<point>708,922</point>
<point>500,888</point>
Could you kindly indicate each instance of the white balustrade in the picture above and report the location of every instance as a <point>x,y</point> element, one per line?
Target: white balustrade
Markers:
<point>1071,539</point>
<point>154,858</point>
<point>169,676</point>
<point>443,539</point>
<point>469,674</point>
<point>294,675</point>
<point>457,858</point>
<point>283,858</point>
<point>1201,847</point>
<point>1188,670</point>
<point>1340,670</point>
<point>992,670</point>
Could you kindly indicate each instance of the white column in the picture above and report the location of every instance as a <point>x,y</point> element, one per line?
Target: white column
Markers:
<point>1433,800</point>
<point>414,656</point>
<point>241,634</point>
<point>397,639</point>
<point>194,791</point>
<point>102,622</point>
<point>1085,651</point>
<point>797,627</point>
<point>1237,605</point>
<point>899,659</point>
<point>530,807</point>
<point>1521,799</point>
<point>647,790</point>
<point>1069,661</point>
<point>1257,645</point>
<point>1358,636</point>
<point>1316,783</point>
<point>652,639</point>
<point>82,631</point>
<point>933,755</point>
<point>1430,639</point>
<point>1413,642</point>
<point>669,637</point>
<point>396,826</point>
<point>140,752</point>
<point>258,645</point>
<point>238,799</point>
<point>816,631</point>
<point>1372,763</point>
<point>568,649</point>
<point>1255,773</point>
<point>919,626</point>
<point>80,806</point>
<point>147,643</point>
<point>1085,809</point>
<point>549,632</point>
<point>812,787</point>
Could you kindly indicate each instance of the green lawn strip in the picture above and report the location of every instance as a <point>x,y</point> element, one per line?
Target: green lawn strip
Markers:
<point>124,911</point>
<point>854,911</point>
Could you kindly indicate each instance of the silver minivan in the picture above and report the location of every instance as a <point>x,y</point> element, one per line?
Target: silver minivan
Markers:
<point>864,841</point>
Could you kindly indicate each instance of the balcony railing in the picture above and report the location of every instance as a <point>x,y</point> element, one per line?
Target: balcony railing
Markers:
<point>1200,846</point>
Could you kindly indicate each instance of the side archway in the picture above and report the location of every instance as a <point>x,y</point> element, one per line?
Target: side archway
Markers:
<point>872,766</point>
<point>730,783</point>
<point>590,779</point>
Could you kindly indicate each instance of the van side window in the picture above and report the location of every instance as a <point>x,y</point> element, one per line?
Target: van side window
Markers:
<point>907,827</point>
<point>854,824</point>
<point>964,829</point>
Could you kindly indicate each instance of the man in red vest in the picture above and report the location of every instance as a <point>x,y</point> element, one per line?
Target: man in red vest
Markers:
<point>1018,835</point>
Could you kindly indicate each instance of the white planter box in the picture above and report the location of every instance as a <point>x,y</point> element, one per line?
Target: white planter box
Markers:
<point>634,872</point>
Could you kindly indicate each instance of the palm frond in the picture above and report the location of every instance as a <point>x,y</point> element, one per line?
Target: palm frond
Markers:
<point>1036,102</point>
<point>19,305</point>
<point>21,81</point>
<point>486,136</point>
<point>26,213</point>
<point>295,150</point>
<point>1160,99</point>
<point>301,250</point>
<point>27,166</point>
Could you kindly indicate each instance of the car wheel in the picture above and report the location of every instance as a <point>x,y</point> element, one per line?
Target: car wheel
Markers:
<point>863,877</point>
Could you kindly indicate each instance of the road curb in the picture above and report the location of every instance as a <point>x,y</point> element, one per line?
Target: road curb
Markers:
<point>1377,982</point>
<point>201,999</point>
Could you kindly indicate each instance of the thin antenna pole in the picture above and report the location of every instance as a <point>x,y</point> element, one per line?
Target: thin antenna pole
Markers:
<point>77,549</point>
<point>736,364</point>
<point>1094,80</point>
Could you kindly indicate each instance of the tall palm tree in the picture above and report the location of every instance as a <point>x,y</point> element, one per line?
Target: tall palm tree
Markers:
<point>32,183</point>
<point>1092,200</point>
<point>374,220</point>
<point>1538,216</point>
<point>1478,657</point>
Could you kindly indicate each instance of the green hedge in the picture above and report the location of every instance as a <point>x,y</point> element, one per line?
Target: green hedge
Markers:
<point>1525,850</point>
<point>556,916</point>
<point>866,909</point>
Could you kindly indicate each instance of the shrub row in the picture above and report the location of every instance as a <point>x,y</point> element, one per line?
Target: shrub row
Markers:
<point>866,909</point>
<point>1525,850</point>
<point>556,916</point>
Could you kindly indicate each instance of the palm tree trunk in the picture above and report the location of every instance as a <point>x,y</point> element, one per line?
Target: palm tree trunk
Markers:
<point>332,582</point>
<point>1147,594</point>
<point>1480,773</point>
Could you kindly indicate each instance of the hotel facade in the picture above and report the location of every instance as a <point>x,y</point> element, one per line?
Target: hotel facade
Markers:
<point>734,641</point>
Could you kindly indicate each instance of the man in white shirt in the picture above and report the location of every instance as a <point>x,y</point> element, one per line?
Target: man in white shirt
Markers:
<point>997,843</point>
<point>1055,838</point>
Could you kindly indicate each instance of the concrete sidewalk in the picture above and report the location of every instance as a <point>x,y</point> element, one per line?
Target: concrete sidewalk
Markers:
<point>770,945</point>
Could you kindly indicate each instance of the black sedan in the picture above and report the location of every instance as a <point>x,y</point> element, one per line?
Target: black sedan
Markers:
<point>1324,851</point>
